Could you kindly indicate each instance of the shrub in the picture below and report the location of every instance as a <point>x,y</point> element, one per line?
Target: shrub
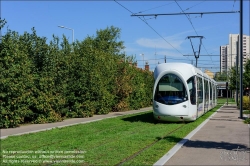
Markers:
<point>247,121</point>
<point>245,103</point>
<point>246,112</point>
<point>43,83</point>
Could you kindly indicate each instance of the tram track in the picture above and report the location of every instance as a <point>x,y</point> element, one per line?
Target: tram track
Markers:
<point>137,129</point>
<point>77,136</point>
<point>147,146</point>
<point>127,135</point>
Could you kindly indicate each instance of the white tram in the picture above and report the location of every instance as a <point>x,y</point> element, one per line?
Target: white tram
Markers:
<point>182,92</point>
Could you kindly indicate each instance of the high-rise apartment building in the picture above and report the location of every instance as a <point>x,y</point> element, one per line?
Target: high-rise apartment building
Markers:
<point>223,58</point>
<point>228,53</point>
<point>232,50</point>
<point>246,48</point>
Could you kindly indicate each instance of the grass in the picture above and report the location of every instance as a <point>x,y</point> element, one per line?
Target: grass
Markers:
<point>247,120</point>
<point>246,112</point>
<point>224,100</point>
<point>106,142</point>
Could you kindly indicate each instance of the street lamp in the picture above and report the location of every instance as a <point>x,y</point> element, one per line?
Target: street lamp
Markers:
<point>69,29</point>
<point>142,58</point>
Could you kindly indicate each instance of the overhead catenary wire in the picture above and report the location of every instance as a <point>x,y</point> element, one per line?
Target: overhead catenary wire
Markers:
<point>144,20</point>
<point>150,27</point>
<point>233,4</point>
<point>181,13</point>
<point>194,5</point>
<point>154,8</point>
<point>172,59</point>
<point>189,20</point>
<point>193,27</point>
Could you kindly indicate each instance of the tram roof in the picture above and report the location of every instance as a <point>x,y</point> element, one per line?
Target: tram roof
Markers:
<point>186,69</point>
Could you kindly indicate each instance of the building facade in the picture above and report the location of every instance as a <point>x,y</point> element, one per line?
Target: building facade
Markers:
<point>228,53</point>
<point>232,50</point>
<point>223,58</point>
<point>246,48</point>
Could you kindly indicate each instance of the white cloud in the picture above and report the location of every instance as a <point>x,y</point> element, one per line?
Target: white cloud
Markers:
<point>168,53</point>
<point>160,43</point>
<point>170,42</point>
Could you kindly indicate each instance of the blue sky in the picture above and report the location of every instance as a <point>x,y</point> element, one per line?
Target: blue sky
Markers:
<point>155,38</point>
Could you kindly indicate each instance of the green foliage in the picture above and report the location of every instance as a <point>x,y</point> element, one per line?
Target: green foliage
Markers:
<point>246,112</point>
<point>245,103</point>
<point>43,83</point>
<point>221,76</point>
<point>2,23</point>
<point>234,76</point>
<point>247,121</point>
<point>16,81</point>
<point>247,74</point>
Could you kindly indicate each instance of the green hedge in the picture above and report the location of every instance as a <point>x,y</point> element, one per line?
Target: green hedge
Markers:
<point>44,82</point>
<point>245,103</point>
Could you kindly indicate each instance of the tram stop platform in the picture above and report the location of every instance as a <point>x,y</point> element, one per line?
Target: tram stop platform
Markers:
<point>223,140</point>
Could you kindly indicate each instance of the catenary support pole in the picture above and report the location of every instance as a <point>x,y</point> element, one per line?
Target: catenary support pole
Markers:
<point>241,58</point>
<point>237,61</point>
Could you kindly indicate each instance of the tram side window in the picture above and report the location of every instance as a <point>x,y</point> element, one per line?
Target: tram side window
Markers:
<point>170,90</point>
<point>214,92</point>
<point>211,90</point>
<point>206,90</point>
<point>200,90</point>
<point>192,90</point>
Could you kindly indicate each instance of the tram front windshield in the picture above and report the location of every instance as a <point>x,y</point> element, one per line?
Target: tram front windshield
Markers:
<point>170,90</point>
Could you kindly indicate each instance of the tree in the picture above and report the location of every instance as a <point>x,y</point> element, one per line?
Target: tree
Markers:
<point>41,83</point>
<point>16,81</point>
<point>107,40</point>
<point>247,74</point>
<point>220,76</point>
<point>233,76</point>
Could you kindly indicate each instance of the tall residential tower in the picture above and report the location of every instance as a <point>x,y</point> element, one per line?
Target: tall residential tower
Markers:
<point>228,53</point>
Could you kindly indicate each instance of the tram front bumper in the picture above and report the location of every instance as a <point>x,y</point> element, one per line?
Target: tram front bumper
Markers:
<point>170,118</point>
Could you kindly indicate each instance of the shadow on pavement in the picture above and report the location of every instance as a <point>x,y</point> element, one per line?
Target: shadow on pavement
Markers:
<point>208,144</point>
<point>215,145</point>
<point>229,107</point>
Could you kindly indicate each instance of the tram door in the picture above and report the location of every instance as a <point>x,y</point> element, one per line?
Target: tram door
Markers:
<point>206,88</point>
<point>200,103</point>
<point>193,95</point>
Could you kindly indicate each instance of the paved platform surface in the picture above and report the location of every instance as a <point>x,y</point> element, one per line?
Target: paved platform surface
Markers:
<point>32,128</point>
<point>223,140</point>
